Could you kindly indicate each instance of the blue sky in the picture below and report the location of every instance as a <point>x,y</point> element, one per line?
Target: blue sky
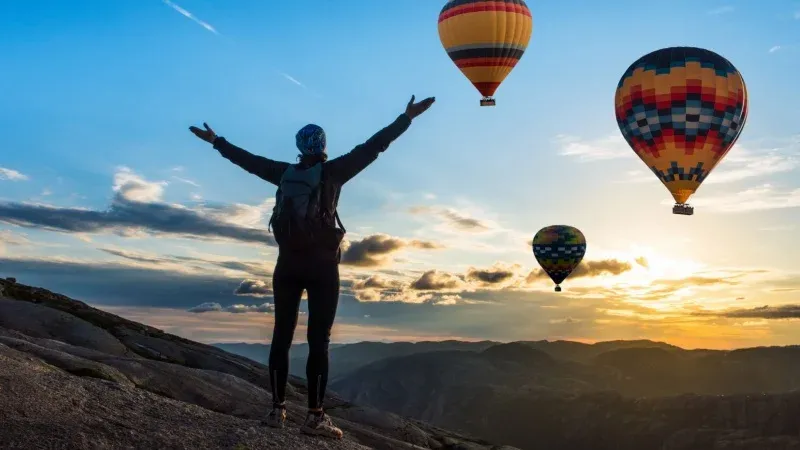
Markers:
<point>98,96</point>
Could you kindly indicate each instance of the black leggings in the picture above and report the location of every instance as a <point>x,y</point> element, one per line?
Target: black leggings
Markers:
<point>321,282</point>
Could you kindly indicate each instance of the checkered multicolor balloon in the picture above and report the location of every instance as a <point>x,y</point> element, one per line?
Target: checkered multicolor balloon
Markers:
<point>559,249</point>
<point>681,109</point>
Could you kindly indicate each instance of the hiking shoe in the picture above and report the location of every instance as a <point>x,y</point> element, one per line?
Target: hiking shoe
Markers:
<point>276,417</point>
<point>321,425</point>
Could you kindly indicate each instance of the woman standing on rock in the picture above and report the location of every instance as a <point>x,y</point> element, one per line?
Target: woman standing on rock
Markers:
<point>304,222</point>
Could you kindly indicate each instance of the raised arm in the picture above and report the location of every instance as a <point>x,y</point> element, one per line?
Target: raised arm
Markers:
<point>265,168</point>
<point>345,167</point>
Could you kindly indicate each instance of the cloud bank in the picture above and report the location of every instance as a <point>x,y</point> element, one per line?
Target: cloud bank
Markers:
<point>137,209</point>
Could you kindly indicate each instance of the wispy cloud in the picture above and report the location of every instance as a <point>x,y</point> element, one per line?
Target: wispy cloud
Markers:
<point>292,79</point>
<point>210,28</point>
<point>187,181</point>
<point>455,220</point>
<point>797,15</point>
<point>134,256</point>
<point>237,308</point>
<point>610,147</point>
<point>204,264</point>
<point>11,175</point>
<point>774,49</point>
<point>9,238</point>
<point>764,197</point>
<point>791,311</point>
<point>191,16</point>
<point>721,10</point>
<point>740,164</point>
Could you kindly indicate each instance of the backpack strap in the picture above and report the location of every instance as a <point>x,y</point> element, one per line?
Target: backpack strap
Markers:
<point>338,220</point>
<point>322,193</point>
<point>274,210</point>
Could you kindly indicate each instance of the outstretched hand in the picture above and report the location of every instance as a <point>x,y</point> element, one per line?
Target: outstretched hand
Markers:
<point>415,109</point>
<point>207,135</point>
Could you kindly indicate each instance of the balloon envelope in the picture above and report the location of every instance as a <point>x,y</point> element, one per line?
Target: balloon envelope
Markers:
<point>485,39</point>
<point>681,109</point>
<point>559,249</point>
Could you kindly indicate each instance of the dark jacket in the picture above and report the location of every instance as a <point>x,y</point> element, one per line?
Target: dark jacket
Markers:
<point>335,172</point>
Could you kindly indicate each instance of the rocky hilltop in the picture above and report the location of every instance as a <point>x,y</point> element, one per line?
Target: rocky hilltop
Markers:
<point>76,377</point>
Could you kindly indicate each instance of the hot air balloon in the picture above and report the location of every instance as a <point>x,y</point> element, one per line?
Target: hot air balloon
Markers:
<point>559,249</point>
<point>681,109</point>
<point>485,39</point>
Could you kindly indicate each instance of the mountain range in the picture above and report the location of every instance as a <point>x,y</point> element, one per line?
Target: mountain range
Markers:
<point>572,395</point>
<point>75,377</point>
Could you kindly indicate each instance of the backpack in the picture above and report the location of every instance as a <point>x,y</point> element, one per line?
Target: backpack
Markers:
<point>297,218</point>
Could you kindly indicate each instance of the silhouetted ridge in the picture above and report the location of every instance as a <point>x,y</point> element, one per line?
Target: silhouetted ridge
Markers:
<point>517,352</point>
<point>637,358</point>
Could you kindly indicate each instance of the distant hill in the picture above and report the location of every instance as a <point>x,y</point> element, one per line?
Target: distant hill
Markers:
<point>260,352</point>
<point>346,358</point>
<point>580,352</point>
<point>483,391</point>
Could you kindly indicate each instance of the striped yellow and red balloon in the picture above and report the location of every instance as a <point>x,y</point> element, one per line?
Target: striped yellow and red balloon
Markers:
<point>485,39</point>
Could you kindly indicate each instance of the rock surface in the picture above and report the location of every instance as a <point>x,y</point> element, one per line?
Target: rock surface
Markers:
<point>76,377</point>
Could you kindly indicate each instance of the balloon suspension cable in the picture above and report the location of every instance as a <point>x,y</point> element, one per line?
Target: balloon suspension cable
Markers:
<point>487,101</point>
<point>683,209</point>
<point>558,288</point>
